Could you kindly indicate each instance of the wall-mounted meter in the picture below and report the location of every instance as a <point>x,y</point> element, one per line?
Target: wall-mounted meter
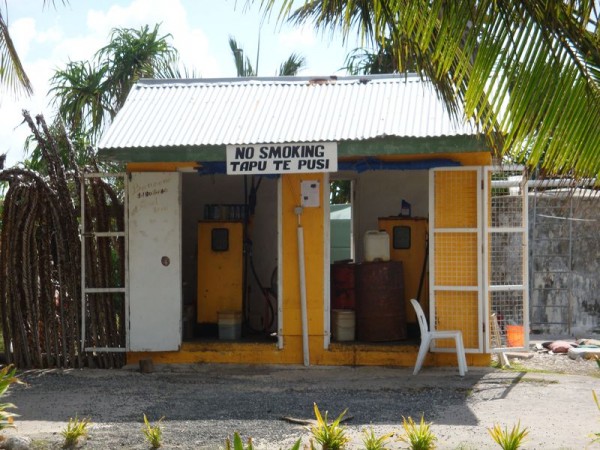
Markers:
<point>310,193</point>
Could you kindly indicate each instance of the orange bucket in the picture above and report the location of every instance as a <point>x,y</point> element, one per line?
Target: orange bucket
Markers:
<point>515,335</point>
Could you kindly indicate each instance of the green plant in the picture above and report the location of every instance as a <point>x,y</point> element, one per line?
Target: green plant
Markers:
<point>153,433</point>
<point>418,436</point>
<point>238,444</point>
<point>372,442</point>
<point>330,436</point>
<point>596,436</point>
<point>296,445</point>
<point>508,440</point>
<point>75,429</point>
<point>7,377</point>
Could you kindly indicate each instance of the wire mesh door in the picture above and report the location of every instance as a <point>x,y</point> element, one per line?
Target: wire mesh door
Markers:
<point>104,270</point>
<point>505,255</point>
<point>455,235</point>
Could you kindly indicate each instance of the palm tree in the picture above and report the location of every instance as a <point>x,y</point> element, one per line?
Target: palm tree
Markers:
<point>290,67</point>
<point>528,71</point>
<point>89,94</point>
<point>81,95</point>
<point>363,61</point>
<point>133,54</point>
<point>12,74</point>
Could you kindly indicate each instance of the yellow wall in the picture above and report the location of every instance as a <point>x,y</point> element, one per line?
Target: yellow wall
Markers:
<point>312,224</point>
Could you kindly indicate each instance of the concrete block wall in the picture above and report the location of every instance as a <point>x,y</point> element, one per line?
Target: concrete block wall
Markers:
<point>564,260</point>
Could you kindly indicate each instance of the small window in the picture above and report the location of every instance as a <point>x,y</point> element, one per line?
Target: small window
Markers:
<point>401,238</point>
<point>219,240</point>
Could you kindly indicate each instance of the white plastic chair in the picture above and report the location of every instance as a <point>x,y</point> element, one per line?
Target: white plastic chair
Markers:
<point>427,336</point>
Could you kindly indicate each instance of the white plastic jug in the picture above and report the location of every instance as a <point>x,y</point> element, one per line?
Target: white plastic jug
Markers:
<point>377,246</point>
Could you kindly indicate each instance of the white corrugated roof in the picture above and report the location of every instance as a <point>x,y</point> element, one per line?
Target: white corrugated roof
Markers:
<point>181,113</point>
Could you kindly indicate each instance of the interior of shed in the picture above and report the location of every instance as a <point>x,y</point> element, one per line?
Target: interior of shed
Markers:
<point>230,255</point>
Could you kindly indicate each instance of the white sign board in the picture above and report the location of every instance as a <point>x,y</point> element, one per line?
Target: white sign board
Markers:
<point>264,159</point>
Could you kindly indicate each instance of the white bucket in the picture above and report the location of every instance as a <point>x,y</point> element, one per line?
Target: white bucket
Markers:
<point>377,246</point>
<point>230,325</point>
<point>343,324</point>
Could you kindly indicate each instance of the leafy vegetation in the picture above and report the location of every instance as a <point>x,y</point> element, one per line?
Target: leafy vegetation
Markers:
<point>238,444</point>
<point>527,72</point>
<point>88,94</point>
<point>243,66</point>
<point>418,436</point>
<point>331,436</point>
<point>596,436</point>
<point>373,442</point>
<point>75,430</point>
<point>153,433</point>
<point>7,378</point>
<point>508,440</point>
<point>13,78</point>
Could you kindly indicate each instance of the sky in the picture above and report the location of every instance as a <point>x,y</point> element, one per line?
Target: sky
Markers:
<point>48,37</point>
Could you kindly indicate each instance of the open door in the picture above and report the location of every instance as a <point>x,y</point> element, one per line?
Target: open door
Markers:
<point>506,258</point>
<point>104,277</point>
<point>478,256</point>
<point>155,261</point>
<point>455,255</point>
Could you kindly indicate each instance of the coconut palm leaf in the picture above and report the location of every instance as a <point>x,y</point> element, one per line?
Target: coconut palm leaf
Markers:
<point>243,66</point>
<point>292,65</point>
<point>12,74</point>
<point>528,71</point>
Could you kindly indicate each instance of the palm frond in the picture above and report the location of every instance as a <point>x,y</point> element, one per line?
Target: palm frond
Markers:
<point>242,63</point>
<point>12,74</point>
<point>527,71</point>
<point>292,65</point>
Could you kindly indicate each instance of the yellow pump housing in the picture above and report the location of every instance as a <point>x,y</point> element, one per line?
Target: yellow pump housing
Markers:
<point>220,269</point>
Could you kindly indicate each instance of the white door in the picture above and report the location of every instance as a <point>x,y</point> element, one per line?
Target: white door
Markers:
<point>155,261</point>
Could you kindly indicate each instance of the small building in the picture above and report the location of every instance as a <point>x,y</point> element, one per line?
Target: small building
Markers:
<point>229,255</point>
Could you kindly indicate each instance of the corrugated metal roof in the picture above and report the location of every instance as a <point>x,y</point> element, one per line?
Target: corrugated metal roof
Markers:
<point>182,113</point>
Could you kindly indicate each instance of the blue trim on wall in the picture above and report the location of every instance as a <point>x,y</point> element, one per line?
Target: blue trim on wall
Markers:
<point>366,164</point>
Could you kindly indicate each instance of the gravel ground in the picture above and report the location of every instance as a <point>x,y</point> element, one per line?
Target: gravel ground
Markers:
<point>203,404</point>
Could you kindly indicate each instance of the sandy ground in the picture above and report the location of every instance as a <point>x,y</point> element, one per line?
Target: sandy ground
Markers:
<point>203,404</point>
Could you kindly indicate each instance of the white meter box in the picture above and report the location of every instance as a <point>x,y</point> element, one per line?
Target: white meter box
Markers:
<point>310,193</point>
